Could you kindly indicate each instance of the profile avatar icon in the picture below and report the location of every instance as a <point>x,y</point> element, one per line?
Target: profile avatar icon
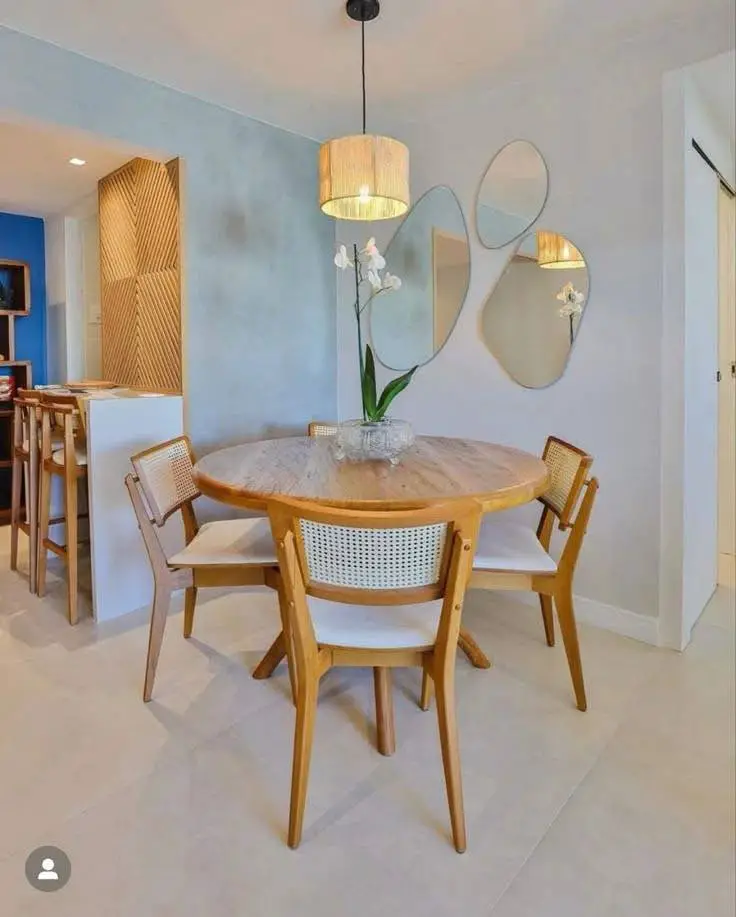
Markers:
<point>48,868</point>
<point>48,873</point>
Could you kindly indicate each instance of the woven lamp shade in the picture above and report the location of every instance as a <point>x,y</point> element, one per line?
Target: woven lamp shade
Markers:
<point>556,253</point>
<point>363,177</point>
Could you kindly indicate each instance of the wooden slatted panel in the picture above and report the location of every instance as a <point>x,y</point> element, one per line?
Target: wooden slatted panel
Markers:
<point>117,201</point>
<point>118,339</point>
<point>140,276</point>
<point>158,331</point>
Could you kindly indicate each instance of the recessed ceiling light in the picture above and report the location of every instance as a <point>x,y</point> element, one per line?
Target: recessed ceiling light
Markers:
<point>77,162</point>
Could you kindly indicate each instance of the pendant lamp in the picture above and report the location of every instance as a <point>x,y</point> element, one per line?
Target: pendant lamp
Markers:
<point>363,176</point>
<point>554,252</point>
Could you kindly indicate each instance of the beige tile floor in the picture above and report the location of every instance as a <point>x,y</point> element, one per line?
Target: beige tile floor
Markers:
<point>178,808</point>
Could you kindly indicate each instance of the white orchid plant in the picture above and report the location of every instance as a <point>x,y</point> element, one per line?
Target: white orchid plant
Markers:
<point>572,301</point>
<point>369,267</point>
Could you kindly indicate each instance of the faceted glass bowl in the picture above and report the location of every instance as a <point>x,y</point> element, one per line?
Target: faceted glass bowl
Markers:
<point>369,441</point>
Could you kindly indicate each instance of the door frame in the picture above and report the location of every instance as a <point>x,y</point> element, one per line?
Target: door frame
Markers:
<point>685,119</point>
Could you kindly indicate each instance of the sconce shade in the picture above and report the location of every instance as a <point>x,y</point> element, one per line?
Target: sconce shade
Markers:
<point>364,177</point>
<point>556,253</point>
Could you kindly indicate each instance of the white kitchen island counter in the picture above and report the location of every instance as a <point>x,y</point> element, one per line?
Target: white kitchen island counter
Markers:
<point>121,422</point>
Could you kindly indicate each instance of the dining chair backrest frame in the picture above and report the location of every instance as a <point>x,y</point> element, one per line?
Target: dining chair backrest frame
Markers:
<point>322,428</point>
<point>313,542</point>
<point>568,468</point>
<point>165,475</point>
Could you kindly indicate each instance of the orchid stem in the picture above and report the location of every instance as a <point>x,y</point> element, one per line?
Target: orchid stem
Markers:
<point>357,320</point>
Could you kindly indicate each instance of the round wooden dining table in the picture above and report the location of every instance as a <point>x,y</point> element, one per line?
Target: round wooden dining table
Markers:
<point>434,470</point>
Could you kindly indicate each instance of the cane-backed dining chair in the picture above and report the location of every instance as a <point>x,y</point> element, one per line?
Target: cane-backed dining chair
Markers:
<point>233,552</point>
<point>375,589</point>
<point>510,555</point>
<point>25,458</point>
<point>322,428</point>
<point>466,641</point>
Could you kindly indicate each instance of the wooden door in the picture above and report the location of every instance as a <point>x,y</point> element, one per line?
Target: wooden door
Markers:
<point>727,389</point>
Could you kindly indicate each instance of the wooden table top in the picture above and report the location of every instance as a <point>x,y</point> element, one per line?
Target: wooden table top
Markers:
<point>433,470</point>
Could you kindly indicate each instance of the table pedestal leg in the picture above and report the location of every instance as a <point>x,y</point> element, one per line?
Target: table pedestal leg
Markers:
<point>275,653</point>
<point>475,654</point>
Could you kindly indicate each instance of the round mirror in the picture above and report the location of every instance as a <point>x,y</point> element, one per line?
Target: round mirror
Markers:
<point>430,253</point>
<point>531,320</point>
<point>512,194</point>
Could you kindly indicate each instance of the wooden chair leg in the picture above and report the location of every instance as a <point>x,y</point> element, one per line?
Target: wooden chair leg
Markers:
<point>306,710</point>
<point>426,696</point>
<point>548,618</point>
<point>44,513</point>
<point>568,627</point>
<point>72,545</point>
<point>445,695</point>
<point>32,504</point>
<point>190,602</point>
<point>17,480</point>
<point>288,641</point>
<point>385,726</point>
<point>159,613</point>
<point>475,654</point>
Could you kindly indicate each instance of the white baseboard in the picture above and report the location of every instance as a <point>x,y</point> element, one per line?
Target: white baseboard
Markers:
<point>608,617</point>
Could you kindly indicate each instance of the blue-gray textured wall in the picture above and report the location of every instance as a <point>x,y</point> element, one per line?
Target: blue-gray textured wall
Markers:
<point>259,283</point>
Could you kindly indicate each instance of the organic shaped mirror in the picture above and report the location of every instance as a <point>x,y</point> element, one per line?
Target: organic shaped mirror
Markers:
<point>430,253</point>
<point>512,194</point>
<point>531,319</point>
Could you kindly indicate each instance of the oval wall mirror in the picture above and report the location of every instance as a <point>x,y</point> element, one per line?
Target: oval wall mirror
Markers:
<point>512,194</point>
<point>531,320</point>
<point>430,253</point>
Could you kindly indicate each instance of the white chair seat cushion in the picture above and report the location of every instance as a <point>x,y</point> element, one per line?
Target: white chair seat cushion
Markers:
<point>375,626</point>
<point>230,541</point>
<point>510,546</point>
<point>58,456</point>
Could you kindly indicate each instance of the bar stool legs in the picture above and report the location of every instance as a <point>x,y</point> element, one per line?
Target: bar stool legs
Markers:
<point>68,464</point>
<point>28,470</point>
<point>69,552</point>
<point>25,468</point>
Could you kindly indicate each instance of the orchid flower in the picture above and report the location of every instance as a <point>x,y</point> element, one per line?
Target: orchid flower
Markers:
<point>376,261</point>
<point>391,282</point>
<point>368,264</point>
<point>374,280</point>
<point>573,301</point>
<point>341,259</point>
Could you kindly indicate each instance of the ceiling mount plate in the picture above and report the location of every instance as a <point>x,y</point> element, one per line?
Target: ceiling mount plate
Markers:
<point>363,10</point>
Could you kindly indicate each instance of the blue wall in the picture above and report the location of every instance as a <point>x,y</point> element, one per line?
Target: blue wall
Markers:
<point>22,239</point>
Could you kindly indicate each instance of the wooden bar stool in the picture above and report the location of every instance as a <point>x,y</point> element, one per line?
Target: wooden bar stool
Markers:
<point>69,462</point>
<point>25,465</point>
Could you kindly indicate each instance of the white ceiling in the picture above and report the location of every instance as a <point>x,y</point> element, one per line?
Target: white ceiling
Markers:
<point>36,178</point>
<point>295,63</point>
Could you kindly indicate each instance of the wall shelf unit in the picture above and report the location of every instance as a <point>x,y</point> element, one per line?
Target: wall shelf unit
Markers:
<point>15,302</point>
<point>15,288</point>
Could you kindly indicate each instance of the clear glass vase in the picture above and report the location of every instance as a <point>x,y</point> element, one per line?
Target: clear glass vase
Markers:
<point>373,440</point>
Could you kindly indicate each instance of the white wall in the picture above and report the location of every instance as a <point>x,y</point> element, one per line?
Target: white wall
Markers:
<point>56,298</point>
<point>598,121</point>
<point>65,299</point>
<point>259,332</point>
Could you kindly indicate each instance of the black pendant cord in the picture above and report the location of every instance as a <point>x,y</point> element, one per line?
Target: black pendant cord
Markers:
<point>362,48</point>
